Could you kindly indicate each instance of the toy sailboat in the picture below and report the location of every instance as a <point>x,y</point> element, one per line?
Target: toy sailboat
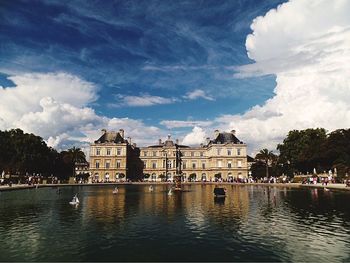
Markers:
<point>75,200</point>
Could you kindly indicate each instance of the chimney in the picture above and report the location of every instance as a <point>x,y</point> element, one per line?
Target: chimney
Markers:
<point>216,133</point>
<point>129,140</point>
<point>207,140</point>
<point>160,141</point>
<point>104,131</point>
<point>233,132</point>
<point>177,141</point>
<point>121,132</point>
<point>201,145</point>
<point>169,137</point>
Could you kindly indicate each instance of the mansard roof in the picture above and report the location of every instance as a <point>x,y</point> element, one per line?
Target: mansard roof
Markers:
<point>224,138</point>
<point>167,143</point>
<point>111,137</point>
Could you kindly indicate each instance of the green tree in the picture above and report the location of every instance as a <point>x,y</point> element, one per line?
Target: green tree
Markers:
<point>301,150</point>
<point>336,152</point>
<point>268,158</point>
<point>24,153</point>
<point>72,156</point>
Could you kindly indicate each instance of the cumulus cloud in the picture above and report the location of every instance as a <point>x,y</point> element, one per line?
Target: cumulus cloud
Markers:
<point>306,44</point>
<point>31,88</point>
<point>170,124</point>
<point>56,118</point>
<point>198,93</point>
<point>141,101</point>
<point>56,107</point>
<point>195,137</point>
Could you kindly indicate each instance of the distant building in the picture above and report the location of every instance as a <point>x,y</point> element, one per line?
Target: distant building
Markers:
<point>225,157</point>
<point>114,158</point>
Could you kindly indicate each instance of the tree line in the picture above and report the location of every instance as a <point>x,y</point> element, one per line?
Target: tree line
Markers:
<point>304,151</point>
<point>27,154</point>
<point>301,151</point>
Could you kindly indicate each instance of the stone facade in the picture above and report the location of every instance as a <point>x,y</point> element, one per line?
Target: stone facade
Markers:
<point>112,158</point>
<point>223,157</point>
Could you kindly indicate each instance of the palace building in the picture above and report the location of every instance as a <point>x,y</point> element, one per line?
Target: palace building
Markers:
<point>222,157</point>
<point>114,158</point>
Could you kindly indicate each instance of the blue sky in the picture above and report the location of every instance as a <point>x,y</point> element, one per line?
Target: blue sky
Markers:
<point>132,48</point>
<point>180,67</point>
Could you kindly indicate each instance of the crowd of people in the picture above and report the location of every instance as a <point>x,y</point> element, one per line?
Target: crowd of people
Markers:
<point>28,180</point>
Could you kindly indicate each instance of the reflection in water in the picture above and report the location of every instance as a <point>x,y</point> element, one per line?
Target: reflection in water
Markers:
<point>219,200</point>
<point>253,223</point>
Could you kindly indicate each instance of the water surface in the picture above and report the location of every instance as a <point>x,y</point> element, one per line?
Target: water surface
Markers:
<point>254,223</point>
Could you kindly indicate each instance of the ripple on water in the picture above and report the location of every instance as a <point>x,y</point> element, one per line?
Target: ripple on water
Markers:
<point>251,224</point>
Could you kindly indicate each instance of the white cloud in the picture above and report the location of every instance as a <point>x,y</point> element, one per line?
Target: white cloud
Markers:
<point>55,106</point>
<point>306,44</point>
<point>196,137</point>
<point>57,118</point>
<point>31,88</point>
<point>141,101</point>
<point>170,124</point>
<point>198,93</point>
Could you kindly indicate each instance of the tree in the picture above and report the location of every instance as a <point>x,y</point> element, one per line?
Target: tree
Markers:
<point>267,157</point>
<point>336,152</point>
<point>72,156</point>
<point>24,153</point>
<point>301,150</point>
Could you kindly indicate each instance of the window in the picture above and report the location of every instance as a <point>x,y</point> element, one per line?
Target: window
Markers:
<point>229,164</point>
<point>117,164</point>
<point>154,165</point>
<point>239,163</point>
<point>184,165</point>
<point>203,165</point>
<point>145,164</point>
<point>144,153</point>
<point>229,152</point>
<point>201,154</point>
<point>108,151</point>
<point>107,164</point>
<point>192,154</point>
<point>154,153</point>
<point>119,151</point>
<point>98,151</point>
<point>219,163</point>
<point>218,151</point>
<point>97,164</point>
<point>169,164</point>
<point>238,151</point>
<point>193,165</point>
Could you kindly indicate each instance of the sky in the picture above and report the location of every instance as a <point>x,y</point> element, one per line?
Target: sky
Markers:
<point>261,67</point>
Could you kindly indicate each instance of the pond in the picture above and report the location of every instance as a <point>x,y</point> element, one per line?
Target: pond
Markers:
<point>253,223</point>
